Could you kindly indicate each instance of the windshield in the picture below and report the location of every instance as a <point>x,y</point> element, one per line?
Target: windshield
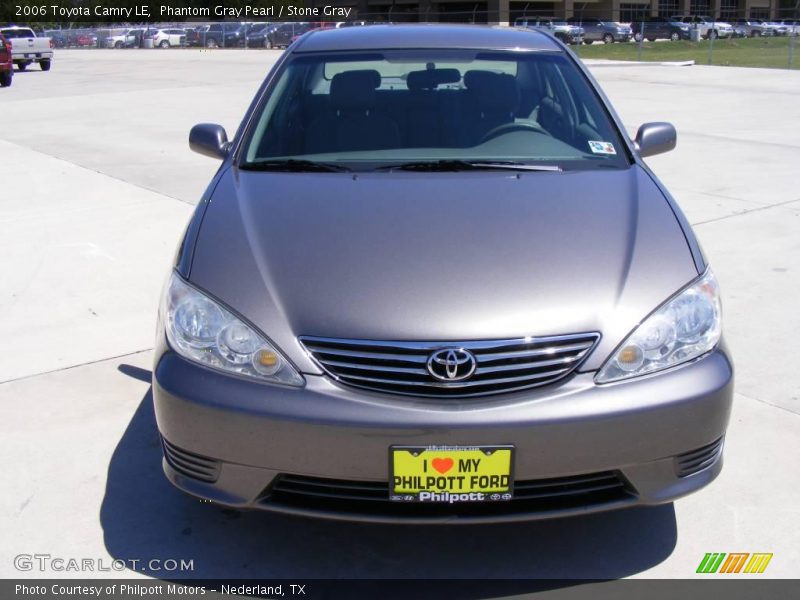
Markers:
<point>368,111</point>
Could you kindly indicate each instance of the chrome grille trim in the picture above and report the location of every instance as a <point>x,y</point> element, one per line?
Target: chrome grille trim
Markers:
<point>400,367</point>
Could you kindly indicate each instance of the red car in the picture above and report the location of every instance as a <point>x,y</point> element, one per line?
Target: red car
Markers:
<point>6,66</point>
<point>85,40</point>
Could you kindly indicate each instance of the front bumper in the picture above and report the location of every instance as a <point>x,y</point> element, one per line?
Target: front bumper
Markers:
<point>233,441</point>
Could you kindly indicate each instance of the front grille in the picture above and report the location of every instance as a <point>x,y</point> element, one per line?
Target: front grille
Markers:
<point>402,367</point>
<point>191,464</point>
<point>372,497</point>
<point>692,462</point>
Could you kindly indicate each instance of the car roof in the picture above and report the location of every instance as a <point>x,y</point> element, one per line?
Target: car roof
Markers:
<point>386,37</point>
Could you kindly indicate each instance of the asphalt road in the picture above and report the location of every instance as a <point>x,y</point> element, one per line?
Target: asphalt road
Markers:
<point>97,184</point>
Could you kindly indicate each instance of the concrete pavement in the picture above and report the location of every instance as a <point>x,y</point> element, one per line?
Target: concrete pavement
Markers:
<point>98,183</point>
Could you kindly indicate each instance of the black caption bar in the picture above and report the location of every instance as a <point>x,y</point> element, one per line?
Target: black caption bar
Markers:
<point>391,589</point>
<point>22,12</point>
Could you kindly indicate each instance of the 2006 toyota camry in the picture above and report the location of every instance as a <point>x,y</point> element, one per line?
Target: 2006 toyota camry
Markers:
<point>433,280</point>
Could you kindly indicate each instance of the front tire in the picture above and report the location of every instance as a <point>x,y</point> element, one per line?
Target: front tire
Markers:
<point>712,35</point>
<point>637,37</point>
<point>6,77</point>
<point>211,43</point>
<point>608,39</point>
<point>588,42</point>
<point>164,44</point>
<point>22,66</point>
<point>44,65</point>
<point>674,36</point>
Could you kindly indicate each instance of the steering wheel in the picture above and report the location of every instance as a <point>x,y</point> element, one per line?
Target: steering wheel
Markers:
<point>508,128</point>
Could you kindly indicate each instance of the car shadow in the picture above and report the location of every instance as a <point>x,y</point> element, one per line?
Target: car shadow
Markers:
<point>143,517</point>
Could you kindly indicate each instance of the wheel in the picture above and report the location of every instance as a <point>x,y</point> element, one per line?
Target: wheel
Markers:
<point>164,44</point>
<point>44,65</point>
<point>6,77</point>
<point>22,66</point>
<point>756,34</point>
<point>674,36</point>
<point>118,45</point>
<point>637,37</point>
<point>211,43</point>
<point>608,39</point>
<point>588,42</point>
<point>712,34</point>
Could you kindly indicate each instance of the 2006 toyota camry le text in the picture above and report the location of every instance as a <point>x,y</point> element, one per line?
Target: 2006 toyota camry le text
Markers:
<point>434,281</point>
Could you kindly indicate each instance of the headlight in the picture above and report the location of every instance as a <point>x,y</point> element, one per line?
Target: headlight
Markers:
<point>200,329</point>
<point>685,327</point>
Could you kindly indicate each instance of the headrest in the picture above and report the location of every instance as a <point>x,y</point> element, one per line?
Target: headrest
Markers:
<point>354,90</point>
<point>495,92</point>
<point>430,79</point>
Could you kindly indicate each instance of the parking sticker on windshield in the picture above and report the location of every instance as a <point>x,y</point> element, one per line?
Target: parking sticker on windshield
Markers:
<point>602,147</point>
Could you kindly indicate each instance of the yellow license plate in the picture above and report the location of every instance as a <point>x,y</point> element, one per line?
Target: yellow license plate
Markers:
<point>451,473</point>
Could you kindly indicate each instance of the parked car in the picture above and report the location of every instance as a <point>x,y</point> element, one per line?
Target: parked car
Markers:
<point>257,35</point>
<point>569,34</point>
<point>660,28</point>
<point>753,27</point>
<point>739,31</point>
<point>222,35</point>
<point>282,35</point>
<point>130,38</point>
<point>169,38</point>
<point>709,27</point>
<point>27,48</point>
<point>314,27</point>
<point>194,35</point>
<point>777,28</point>
<point>597,30</point>
<point>495,311</point>
<point>57,37</point>
<point>6,63</point>
<point>83,40</point>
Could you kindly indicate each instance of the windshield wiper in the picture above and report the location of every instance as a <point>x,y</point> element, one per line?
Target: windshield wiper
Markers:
<point>466,165</point>
<point>293,165</point>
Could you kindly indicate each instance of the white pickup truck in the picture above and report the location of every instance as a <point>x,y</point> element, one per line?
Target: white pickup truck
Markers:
<point>26,48</point>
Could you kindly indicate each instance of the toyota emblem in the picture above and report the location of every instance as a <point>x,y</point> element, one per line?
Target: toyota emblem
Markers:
<point>452,364</point>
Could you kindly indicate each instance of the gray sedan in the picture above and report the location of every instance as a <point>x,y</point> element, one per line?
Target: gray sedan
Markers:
<point>434,281</point>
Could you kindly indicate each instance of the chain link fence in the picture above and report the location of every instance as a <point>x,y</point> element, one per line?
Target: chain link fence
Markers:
<point>636,34</point>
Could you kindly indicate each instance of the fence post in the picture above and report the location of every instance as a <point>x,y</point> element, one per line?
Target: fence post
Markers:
<point>711,42</point>
<point>641,41</point>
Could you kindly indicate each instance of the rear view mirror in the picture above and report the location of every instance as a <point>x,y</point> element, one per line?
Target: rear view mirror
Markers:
<point>655,138</point>
<point>209,139</point>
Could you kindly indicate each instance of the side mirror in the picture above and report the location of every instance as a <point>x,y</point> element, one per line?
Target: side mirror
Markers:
<point>655,138</point>
<point>209,139</point>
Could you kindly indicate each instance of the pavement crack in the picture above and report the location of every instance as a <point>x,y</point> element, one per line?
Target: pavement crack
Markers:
<point>84,364</point>
<point>783,408</point>
<point>745,212</point>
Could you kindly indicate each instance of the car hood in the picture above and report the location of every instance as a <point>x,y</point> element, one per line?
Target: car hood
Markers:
<point>441,256</point>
